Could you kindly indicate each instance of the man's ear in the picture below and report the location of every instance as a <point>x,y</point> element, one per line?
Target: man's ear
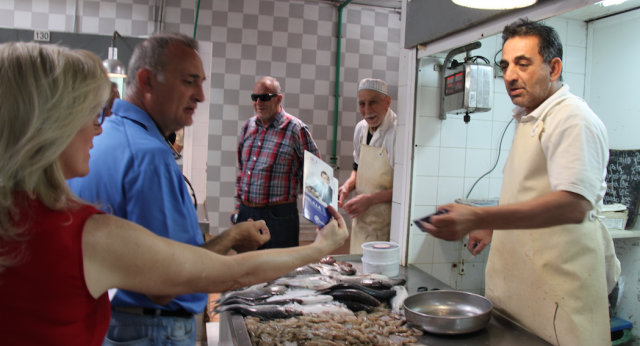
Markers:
<point>144,78</point>
<point>556,69</point>
<point>388,101</point>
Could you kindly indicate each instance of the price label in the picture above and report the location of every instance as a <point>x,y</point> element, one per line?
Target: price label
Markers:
<point>41,36</point>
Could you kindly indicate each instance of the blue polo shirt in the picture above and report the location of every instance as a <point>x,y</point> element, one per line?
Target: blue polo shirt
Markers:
<point>133,175</point>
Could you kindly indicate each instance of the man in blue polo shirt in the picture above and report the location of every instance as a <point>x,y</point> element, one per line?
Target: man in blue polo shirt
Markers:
<point>133,174</point>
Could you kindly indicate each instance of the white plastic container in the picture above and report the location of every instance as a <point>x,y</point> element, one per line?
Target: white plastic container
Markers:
<point>381,257</point>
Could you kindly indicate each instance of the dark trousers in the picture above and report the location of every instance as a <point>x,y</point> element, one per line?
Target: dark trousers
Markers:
<point>283,222</point>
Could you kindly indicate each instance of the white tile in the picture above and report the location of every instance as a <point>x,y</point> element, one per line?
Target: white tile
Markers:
<point>446,251</point>
<point>401,143</point>
<point>575,58</point>
<point>502,107</point>
<point>403,115</point>
<point>420,211</point>
<point>199,156</point>
<point>398,182</point>
<point>215,127</point>
<point>397,225</point>
<point>451,163</point>
<point>467,257</point>
<point>449,189</point>
<point>575,82</point>
<point>479,134</point>
<point>495,186</point>
<point>213,188</point>
<point>445,273</point>
<point>427,132</point>
<point>426,161</point>
<point>470,276</point>
<point>424,191</point>
<point>488,48</point>
<point>87,25</point>
<point>477,163</point>
<point>428,101</point>
<point>199,183</point>
<point>426,75</point>
<point>453,134</point>
<point>227,205</point>
<point>201,133</point>
<point>576,33</point>
<point>57,22</point>
<point>480,190</point>
<point>420,248</point>
<point>229,143</point>
<point>560,25</point>
<point>497,172</point>
<point>228,174</point>
<point>497,132</point>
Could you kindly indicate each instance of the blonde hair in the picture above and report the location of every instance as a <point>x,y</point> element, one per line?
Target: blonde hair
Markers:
<point>47,94</point>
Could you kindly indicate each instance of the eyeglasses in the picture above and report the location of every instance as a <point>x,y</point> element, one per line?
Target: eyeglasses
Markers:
<point>101,116</point>
<point>263,97</point>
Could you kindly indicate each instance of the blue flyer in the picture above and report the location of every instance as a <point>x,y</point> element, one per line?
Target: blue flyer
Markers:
<point>320,190</point>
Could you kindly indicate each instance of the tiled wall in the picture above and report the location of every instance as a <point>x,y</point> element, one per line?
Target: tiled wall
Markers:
<point>449,156</point>
<point>293,41</point>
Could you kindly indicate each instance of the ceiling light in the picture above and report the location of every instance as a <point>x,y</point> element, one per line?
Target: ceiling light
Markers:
<point>495,4</point>
<point>606,3</point>
<point>115,68</point>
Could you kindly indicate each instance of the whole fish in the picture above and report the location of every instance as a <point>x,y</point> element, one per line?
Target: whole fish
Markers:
<point>265,312</point>
<point>354,296</point>
<point>397,302</point>
<point>356,307</point>
<point>314,282</point>
<point>304,270</point>
<point>376,281</point>
<point>308,300</point>
<point>254,293</point>
<point>378,294</point>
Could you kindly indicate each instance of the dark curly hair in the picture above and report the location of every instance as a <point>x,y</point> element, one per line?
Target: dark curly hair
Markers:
<point>549,47</point>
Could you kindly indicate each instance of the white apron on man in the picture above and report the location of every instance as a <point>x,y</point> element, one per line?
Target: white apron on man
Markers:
<point>549,280</point>
<point>375,174</point>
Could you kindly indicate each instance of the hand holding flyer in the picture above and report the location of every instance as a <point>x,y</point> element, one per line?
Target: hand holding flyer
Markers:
<point>320,190</point>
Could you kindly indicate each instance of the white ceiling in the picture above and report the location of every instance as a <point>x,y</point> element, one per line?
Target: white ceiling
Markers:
<point>595,11</point>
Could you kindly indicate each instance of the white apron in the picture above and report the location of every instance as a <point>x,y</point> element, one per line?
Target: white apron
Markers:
<point>375,174</point>
<point>550,280</point>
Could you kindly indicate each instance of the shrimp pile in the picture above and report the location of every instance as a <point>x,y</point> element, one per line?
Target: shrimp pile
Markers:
<point>380,327</point>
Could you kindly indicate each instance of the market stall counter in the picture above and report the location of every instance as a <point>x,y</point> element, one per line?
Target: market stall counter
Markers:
<point>499,331</point>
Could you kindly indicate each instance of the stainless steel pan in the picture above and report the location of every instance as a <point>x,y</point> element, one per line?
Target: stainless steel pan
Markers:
<point>448,312</point>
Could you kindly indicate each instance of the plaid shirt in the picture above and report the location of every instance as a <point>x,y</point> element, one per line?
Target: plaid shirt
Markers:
<point>271,159</point>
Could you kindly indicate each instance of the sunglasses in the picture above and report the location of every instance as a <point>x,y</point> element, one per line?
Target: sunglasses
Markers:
<point>263,97</point>
<point>101,116</point>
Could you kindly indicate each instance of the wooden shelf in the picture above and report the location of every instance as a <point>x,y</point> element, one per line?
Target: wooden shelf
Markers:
<point>624,234</point>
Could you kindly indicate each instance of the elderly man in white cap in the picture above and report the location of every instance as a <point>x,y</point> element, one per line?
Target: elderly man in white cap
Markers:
<point>372,176</point>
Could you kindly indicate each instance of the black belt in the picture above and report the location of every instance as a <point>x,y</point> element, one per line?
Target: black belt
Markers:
<point>135,310</point>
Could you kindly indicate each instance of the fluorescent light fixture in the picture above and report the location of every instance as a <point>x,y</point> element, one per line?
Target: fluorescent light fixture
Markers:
<point>495,4</point>
<point>606,3</point>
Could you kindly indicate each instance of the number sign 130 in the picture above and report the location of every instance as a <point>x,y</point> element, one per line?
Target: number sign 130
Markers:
<point>41,36</point>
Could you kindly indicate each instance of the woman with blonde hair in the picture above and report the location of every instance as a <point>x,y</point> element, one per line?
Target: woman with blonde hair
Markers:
<point>59,255</point>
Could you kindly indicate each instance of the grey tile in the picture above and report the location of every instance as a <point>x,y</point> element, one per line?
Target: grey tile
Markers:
<point>187,16</point>
<point>382,19</point>
<point>171,27</point>
<point>229,158</point>
<point>309,27</point>
<point>232,66</point>
<point>124,11</point>
<point>217,80</point>
<point>349,104</point>
<point>280,24</point>
<point>393,63</point>
<point>227,189</point>
<point>380,48</point>
<point>346,136</point>
<point>380,74</point>
<point>365,61</point>
<point>308,56</point>
<point>6,18</point>
<point>215,112</point>
<point>247,82</point>
<point>215,143</point>
<point>206,4</point>
<point>248,52</point>
<point>229,127</point>
<point>141,2</point>
<point>139,28</point>
<point>393,91</point>
<point>352,45</point>
<point>22,5</point>
<point>321,101</point>
<point>173,3</point>
<point>307,86</point>
<point>219,19</point>
<point>279,54</point>
<point>265,38</point>
<point>213,172</point>
<point>294,41</point>
<point>296,10</point>
<point>40,20</point>
<point>323,73</point>
<point>350,74</point>
<point>203,33</point>
<point>236,6</point>
<point>246,111</point>
<point>213,203</point>
<point>353,16</point>
<point>265,8</point>
<point>218,49</point>
<point>306,115</point>
<point>90,9</point>
<point>366,32</point>
<point>394,35</point>
<point>69,22</point>
<point>58,6</point>
<point>106,26</point>
<point>263,68</point>
<point>231,97</point>
<point>291,100</point>
<point>234,35</point>
<point>326,13</point>
<point>293,70</point>
<point>324,43</point>
<point>250,21</point>
<point>320,132</point>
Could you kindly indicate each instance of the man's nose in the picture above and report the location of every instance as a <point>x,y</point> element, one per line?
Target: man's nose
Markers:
<point>199,95</point>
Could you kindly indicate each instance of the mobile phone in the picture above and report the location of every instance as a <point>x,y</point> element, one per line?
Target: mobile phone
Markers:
<point>427,218</point>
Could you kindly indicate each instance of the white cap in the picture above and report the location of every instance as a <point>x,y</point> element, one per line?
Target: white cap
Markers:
<point>373,84</point>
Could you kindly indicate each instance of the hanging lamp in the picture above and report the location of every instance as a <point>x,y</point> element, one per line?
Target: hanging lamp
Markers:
<point>115,68</point>
<point>495,4</point>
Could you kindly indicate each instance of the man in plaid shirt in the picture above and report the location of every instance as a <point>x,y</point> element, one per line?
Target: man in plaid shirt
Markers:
<point>270,166</point>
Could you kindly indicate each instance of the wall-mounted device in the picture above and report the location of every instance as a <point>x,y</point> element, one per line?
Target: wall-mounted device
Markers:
<point>467,86</point>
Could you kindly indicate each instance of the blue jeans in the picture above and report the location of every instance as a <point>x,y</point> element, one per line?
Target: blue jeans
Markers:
<point>283,222</point>
<point>135,330</point>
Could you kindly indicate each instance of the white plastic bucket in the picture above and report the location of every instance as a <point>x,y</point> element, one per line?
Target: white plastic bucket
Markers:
<point>380,252</point>
<point>388,269</point>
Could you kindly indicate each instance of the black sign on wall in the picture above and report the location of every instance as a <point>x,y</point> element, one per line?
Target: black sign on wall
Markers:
<point>623,181</point>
